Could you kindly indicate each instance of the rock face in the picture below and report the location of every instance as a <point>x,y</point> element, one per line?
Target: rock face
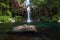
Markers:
<point>25,28</point>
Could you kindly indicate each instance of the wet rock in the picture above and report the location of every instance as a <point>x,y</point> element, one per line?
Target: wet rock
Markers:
<point>25,28</point>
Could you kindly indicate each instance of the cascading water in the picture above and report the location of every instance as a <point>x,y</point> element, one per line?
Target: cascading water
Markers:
<point>27,3</point>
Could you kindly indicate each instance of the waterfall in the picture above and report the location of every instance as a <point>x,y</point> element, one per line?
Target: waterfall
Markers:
<point>27,3</point>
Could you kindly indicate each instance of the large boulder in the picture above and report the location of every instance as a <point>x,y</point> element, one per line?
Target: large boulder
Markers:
<point>25,28</point>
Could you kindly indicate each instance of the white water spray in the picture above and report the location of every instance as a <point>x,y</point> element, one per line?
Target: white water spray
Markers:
<point>27,3</point>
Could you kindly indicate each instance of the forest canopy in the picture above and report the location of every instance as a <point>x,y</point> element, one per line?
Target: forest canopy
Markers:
<point>45,10</point>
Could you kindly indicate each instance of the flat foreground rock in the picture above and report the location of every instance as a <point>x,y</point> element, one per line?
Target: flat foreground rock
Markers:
<point>24,28</point>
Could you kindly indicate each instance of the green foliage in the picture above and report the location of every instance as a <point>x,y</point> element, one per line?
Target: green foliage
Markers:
<point>5,13</point>
<point>3,5</point>
<point>18,18</point>
<point>21,1</point>
<point>38,2</point>
<point>4,18</point>
<point>57,16</point>
<point>14,10</point>
<point>8,13</point>
<point>49,4</point>
<point>4,8</point>
<point>0,12</point>
<point>57,4</point>
<point>44,18</point>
